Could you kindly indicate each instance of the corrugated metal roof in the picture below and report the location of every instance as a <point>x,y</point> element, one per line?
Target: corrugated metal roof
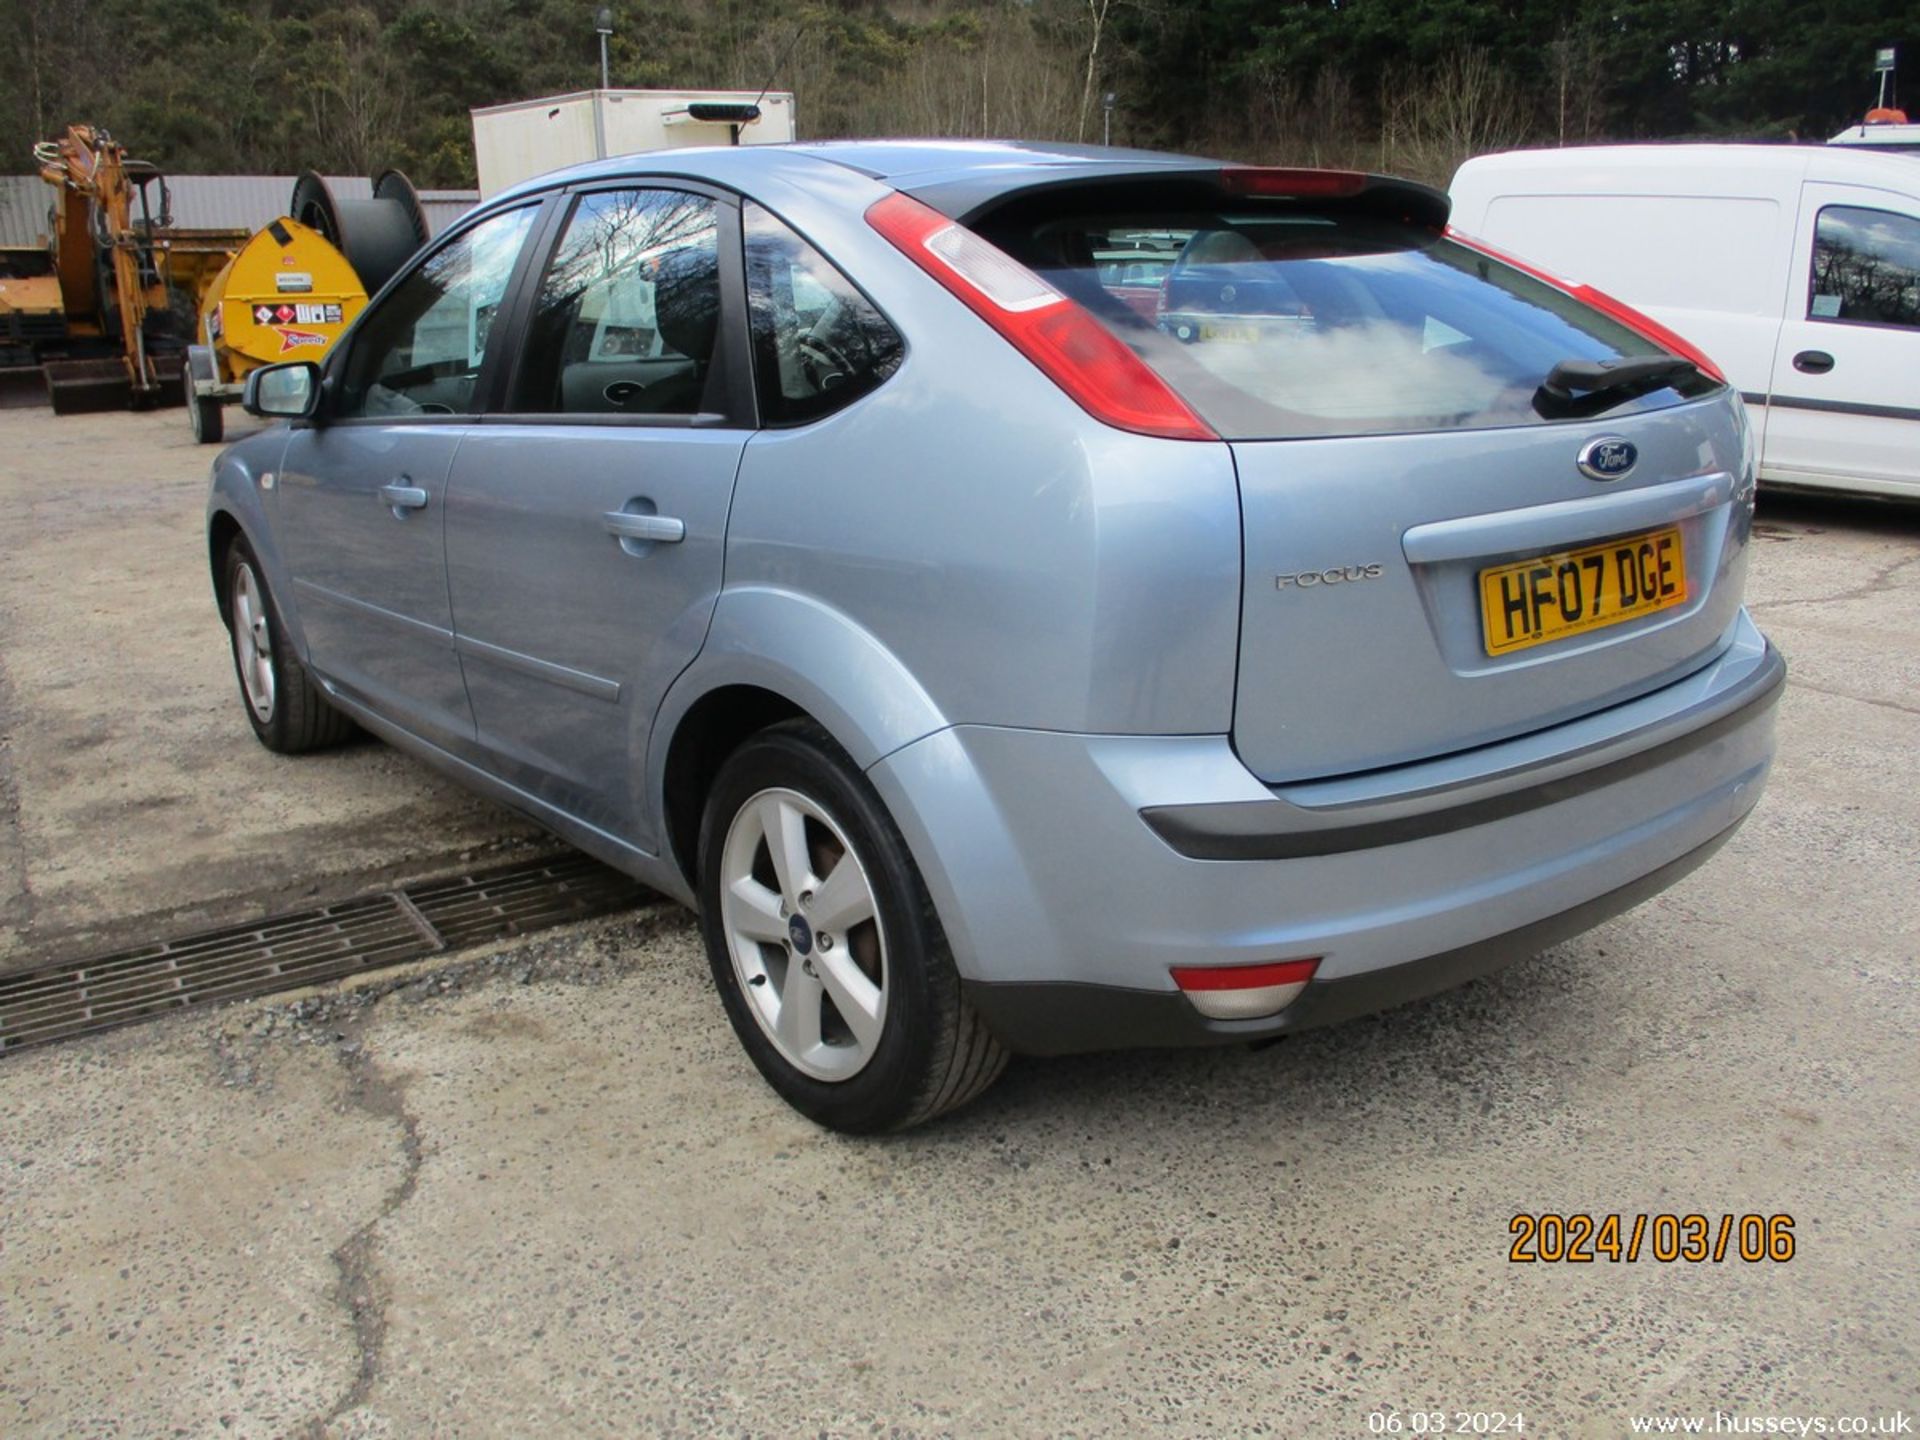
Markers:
<point>443,207</point>
<point>212,202</point>
<point>25,201</point>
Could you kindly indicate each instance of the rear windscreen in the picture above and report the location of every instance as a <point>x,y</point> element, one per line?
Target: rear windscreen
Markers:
<point>1276,322</point>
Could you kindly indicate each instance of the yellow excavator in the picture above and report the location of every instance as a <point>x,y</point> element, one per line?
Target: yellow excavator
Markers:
<point>99,322</point>
<point>293,289</point>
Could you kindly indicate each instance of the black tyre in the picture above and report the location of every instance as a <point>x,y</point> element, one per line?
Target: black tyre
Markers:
<point>286,708</point>
<point>824,944</point>
<point>208,418</point>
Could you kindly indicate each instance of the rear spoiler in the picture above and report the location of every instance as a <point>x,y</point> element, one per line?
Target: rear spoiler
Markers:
<point>972,199</point>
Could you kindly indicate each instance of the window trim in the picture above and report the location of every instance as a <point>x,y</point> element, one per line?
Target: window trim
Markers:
<point>730,380</point>
<point>506,320</point>
<point>753,349</point>
<point>1813,256</point>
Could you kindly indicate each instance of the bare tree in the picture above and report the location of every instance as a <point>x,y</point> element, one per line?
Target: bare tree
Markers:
<point>1574,60</point>
<point>1465,106</point>
<point>1096,29</point>
<point>358,101</point>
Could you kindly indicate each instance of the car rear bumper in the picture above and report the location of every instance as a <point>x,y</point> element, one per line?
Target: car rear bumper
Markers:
<point>1067,1019</point>
<point>1068,891</point>
<point>1280,829</point>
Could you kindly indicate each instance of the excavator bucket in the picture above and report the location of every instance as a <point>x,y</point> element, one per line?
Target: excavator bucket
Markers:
<point>22,387</point>
<point>82,387</point>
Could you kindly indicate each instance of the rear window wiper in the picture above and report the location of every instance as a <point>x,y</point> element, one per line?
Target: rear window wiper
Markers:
<point>1587,387</point>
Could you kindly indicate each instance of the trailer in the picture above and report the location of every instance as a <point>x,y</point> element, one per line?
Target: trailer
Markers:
<point>515,142</point>
<point>295,287</point>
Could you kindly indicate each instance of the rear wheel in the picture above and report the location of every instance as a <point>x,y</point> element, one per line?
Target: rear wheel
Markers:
<point>833,967</point>
<point>287,710</point>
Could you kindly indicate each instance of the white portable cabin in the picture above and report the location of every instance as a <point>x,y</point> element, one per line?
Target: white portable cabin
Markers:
<point>515,142</point>
<point>1795,267</point>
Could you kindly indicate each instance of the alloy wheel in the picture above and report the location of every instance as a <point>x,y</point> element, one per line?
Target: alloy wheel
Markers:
<point>802,929</point>
<point>252,643</point>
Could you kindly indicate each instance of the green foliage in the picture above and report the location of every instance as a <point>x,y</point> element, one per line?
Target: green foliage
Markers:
<point>285,85</point>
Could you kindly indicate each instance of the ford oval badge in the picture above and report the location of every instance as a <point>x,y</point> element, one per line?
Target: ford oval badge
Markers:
<point>1607,458</point>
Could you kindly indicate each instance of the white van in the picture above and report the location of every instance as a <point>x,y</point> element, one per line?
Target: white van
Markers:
<point>1795,267</point>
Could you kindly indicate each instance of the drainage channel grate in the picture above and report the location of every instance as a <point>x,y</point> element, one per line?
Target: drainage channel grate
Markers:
<point>285,952</point>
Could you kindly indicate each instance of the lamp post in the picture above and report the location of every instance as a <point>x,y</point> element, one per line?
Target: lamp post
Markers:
<point>1106,117</point>
<point>603,26</point>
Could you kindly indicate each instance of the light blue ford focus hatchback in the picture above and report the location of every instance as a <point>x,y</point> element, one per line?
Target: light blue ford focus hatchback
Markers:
<point>1028,599</point>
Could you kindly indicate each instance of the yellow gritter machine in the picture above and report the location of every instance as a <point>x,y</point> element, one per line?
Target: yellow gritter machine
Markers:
<point>293,289</point>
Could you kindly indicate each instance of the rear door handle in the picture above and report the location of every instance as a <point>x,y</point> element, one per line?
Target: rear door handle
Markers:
<point>629,526</point>
<point>403,497</point>
<point>1813,362</point>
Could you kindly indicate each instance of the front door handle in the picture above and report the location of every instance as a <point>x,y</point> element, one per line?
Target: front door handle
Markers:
<point>1813,362</point>
<point>402,496</point>
<point>661,528</point>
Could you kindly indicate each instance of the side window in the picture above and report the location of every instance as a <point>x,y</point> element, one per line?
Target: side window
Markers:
<point>1866,267</point>
<point>628,309</point>
<point>420,353</point>
<point>818,343</point>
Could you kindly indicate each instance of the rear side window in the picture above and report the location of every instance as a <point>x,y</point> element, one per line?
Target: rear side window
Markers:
<point>818,343</point>
<point>628,310</point>
<point>1866,267</point>
<point>1283,322</point>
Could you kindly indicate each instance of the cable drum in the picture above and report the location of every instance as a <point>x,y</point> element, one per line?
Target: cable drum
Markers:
<point>377,236</point>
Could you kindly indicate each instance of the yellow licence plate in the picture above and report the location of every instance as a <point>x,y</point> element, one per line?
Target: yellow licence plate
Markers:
<point>1233,334</point>
<point>1550,597</point>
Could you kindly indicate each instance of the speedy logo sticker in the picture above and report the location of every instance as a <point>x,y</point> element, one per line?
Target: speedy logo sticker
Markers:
<point>296,339</point>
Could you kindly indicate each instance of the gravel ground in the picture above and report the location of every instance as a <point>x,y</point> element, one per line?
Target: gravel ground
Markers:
<point>131,794</point>
<point>539,1189</point>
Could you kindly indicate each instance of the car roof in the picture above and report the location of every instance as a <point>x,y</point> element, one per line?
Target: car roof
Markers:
<point>897,160</point>
<point>956,177</point>
<point>962,179</point>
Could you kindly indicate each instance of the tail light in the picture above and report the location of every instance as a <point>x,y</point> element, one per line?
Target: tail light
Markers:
<point>1070,347</point>
<point>1642,325</point>
<point>1295,184</point>
<point>1244,992</point>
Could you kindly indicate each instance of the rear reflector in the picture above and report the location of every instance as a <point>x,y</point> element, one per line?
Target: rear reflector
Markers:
<point>1244,992</point>
<point>1643,325</point>
<point>1074,350</point>
<point>1307,184</point>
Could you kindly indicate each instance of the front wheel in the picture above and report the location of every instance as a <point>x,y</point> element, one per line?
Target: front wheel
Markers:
<point>833,967</point>
<point>287,710</point>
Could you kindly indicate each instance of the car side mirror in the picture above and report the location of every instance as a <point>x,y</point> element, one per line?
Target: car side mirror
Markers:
<point>282,392</point>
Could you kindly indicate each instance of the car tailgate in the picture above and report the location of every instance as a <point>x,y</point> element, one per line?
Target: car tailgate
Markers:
<point>1364,639</point>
